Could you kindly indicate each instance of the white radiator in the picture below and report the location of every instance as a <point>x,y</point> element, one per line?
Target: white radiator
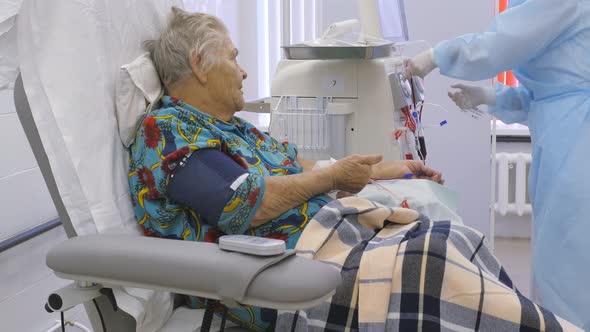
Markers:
<point>512,184</point>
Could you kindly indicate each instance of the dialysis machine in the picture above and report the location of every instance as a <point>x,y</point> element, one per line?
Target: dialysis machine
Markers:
<point>349,98</point>
<point>334,108</point>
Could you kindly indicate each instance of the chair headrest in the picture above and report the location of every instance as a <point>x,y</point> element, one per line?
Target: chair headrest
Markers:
<point>138,85</point>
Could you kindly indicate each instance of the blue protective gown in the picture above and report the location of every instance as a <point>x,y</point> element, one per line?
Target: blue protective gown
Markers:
<point>547,45</point>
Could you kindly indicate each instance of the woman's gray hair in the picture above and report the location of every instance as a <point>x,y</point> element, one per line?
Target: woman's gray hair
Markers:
<point>185,33</point>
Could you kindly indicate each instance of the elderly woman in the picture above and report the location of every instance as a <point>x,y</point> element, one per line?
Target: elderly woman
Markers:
<point>198,172</point>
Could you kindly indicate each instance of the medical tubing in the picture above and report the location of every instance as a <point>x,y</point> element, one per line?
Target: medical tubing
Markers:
<point>417,115</point>
<point>437,105</point>
<point>422,142</point>
<point>420,112</point>
<point>394,196</point>
<point>58,324</point>
<point>445,122</point>
<point>494,170</point>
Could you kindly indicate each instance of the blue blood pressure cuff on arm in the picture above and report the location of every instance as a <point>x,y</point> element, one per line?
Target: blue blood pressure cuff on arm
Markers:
<point>223,193</point>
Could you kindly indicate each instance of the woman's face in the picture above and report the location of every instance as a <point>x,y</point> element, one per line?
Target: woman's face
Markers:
<point>225,79</point>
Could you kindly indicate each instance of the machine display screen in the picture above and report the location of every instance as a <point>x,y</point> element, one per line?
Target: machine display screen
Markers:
<point>393,20</point>
<point>391,16</point>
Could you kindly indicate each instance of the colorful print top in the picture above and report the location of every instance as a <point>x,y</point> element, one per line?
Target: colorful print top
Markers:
<point>166,136</point>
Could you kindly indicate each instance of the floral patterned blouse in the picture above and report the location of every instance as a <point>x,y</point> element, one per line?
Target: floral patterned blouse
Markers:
<point>170,133</point>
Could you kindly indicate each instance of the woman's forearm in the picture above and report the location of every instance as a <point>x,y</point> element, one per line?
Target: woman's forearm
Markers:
<point>282,193</point>
<point>306,164</point>
<point>387,170</point>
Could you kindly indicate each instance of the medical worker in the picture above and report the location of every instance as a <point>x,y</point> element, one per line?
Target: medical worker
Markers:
<point>546,43</point>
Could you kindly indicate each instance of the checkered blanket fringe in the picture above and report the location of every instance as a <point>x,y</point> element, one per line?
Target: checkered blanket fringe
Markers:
<point>402,272</point>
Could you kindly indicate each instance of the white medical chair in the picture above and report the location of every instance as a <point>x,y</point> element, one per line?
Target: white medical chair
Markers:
<point>96,263</point>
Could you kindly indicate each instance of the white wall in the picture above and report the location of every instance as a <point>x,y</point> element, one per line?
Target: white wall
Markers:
<point>24,200</point>
<point>24,203</point>
<point>461,149</point>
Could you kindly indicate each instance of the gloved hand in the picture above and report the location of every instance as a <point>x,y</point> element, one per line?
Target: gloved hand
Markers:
<point>421,65</point>
<point>469,97</point>
<point>352,173</point>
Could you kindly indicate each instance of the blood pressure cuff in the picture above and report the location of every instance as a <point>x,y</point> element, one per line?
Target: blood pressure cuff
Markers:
<point>225,195</point>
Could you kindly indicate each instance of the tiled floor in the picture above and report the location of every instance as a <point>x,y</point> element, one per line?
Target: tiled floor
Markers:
<point>26,283</point>
<point>515,255</point>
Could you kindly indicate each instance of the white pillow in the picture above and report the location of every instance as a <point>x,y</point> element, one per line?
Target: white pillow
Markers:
<point>137,86</point>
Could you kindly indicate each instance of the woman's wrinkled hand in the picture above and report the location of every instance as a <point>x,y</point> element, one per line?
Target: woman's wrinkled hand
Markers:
<point>352,173</point>
<point>422,171</point>
<point>406,169</point>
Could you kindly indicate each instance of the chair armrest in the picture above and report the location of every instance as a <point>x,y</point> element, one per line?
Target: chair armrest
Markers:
<point>193,268</point>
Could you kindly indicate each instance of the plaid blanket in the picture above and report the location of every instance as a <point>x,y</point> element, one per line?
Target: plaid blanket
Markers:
<point>402,272</point>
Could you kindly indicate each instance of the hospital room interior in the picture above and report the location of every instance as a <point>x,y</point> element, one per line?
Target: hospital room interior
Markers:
<point>294,165</point>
